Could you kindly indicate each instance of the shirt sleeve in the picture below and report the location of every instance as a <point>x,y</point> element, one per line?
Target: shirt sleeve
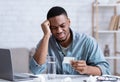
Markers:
<point>36,68</point>
<point>96,57</point>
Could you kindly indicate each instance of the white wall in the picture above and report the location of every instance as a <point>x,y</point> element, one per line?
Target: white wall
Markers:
<point>20,20</point>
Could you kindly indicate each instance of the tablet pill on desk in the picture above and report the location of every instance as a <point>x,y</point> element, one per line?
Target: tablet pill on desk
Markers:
<point>37,80</point>
<point>41,78</point>
<point>91,79</point>
<point>67,79</point>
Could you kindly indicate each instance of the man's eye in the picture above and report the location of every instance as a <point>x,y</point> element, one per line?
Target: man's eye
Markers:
<point>62,26</point>
<point>53,27</point>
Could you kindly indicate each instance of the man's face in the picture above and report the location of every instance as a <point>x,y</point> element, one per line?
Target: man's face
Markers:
<point>59,26</point>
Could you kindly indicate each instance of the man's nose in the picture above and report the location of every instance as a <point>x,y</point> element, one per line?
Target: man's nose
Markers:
<point>59,29</point>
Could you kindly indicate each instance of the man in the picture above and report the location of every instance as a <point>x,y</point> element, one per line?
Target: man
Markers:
<point>61,41</point>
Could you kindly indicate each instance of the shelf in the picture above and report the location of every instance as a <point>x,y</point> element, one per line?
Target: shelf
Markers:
<point>103,31</point>
<point>113,57</point>
<point>97,30</point>
<point>106,5</point>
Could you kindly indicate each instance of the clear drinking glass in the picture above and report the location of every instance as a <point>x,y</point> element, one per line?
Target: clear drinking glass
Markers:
<point>51,66</point>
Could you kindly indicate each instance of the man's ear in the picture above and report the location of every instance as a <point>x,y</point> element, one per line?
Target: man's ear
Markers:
<point>69,21</point>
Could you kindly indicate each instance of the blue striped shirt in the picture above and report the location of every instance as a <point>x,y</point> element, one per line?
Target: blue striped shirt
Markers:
<point>83,47</point>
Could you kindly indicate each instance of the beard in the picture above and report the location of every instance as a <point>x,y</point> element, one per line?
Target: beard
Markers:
<point>64,38</point>
<point>61,40</point>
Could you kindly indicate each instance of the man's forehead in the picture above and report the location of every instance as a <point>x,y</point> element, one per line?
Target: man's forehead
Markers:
<point>57,21</point>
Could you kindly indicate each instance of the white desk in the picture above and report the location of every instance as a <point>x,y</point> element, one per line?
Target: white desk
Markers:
<point>60,78</point>
<point>74,78</point>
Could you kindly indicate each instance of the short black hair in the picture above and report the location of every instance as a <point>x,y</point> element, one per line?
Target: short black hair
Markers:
<point>55,11</point>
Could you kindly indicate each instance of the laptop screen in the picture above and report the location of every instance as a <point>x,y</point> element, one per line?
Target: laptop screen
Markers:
<point>6,71</point>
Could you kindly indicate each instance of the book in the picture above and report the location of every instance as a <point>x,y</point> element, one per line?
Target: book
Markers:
<point>112,22</point>
<point>116,23</point>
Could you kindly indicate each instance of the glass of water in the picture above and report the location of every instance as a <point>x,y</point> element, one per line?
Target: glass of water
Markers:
<point>51,66</point>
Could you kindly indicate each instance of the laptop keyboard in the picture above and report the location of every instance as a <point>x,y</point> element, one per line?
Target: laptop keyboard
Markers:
<point>20,77</point>
<point>24,77</point>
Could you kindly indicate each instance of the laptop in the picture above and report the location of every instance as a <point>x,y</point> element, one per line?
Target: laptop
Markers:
<point>6,70</point>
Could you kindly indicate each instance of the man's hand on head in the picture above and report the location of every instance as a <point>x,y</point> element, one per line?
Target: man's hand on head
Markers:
<point>46,27</point>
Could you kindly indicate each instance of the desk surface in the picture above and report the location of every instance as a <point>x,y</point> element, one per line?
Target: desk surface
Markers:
<point>59,78</point>
<point>62,78</point>
<point>68,78</point>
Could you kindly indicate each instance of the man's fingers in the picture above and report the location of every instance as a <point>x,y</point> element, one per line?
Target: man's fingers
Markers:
<point>80,61</point>
<point>78,64</point>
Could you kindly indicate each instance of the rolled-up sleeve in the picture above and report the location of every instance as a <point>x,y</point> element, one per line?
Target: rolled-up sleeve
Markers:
<point>36,68</point>
<point>104,69</point>
<point>99,61</point>
<point>97,58</point>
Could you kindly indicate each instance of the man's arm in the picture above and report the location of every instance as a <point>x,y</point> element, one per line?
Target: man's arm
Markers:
<point>42,51</point>
<point>95,63</point>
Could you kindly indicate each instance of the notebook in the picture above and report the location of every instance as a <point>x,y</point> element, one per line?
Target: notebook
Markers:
<point>6,70</point>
